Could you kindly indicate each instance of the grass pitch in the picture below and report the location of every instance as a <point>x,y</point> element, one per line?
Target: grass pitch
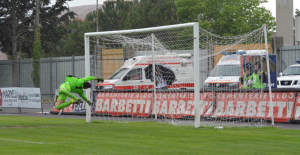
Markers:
<point>33,135</point>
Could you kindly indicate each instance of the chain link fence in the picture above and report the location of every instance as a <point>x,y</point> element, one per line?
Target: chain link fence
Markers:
<point>288,55</point>
<point>52,73</point>
<point>53,70</point>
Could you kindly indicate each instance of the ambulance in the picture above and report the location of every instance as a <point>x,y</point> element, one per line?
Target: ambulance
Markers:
<point>231,67</point>
<point>132,75</point>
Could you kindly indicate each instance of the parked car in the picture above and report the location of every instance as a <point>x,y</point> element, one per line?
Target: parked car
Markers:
<point>290,78</point>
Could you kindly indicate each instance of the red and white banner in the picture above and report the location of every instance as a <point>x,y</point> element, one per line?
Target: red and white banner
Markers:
<point>66,109</point>
<point>71,108</point>
<point>134,104</point>
<point>255,105</point>
<point>176,105</point>
<point>296,113</point>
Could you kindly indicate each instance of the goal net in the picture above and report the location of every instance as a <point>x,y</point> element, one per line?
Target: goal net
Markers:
<point>181,74</point>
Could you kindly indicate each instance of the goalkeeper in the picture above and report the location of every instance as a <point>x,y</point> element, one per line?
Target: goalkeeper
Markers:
<point>74,85</point>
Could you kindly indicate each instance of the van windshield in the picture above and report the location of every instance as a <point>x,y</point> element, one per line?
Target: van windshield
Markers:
<point>226,70</point>
<point>292,71</point>
<point>118,74</point>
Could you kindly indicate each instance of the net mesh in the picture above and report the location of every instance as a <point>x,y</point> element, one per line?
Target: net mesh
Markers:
<point>232,73</point>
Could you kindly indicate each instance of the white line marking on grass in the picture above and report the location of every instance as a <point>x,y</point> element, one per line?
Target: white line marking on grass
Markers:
<point>15,127</point>
<point>12,140</point>
<point>22,141</point>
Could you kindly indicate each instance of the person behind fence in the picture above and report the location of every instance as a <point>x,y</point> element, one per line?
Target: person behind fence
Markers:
<point>258,77</point>
<point>160,82</point>
<point>74,85</point>
<point>246,80</point>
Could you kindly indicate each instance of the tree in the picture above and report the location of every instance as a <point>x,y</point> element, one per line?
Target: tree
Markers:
<point>118,15</point>
<point>111,17</point>
<point>37,54</point>
<point>151,13</point>
<point>225,17</point>
<point>53,29</point>
<point>17,22</point>
<point>297,12</point>
<point>72,43</point>
<point>14,22</point>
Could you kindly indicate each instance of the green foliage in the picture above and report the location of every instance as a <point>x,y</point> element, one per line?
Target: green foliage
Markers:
<point>53,27</point>
<point>120,16</point>
<point>112,16</point>
<point>297,12</point>
<point>36,56</point>
<point>151,13</point>
<point>51,23</point>
<point>225,17</point>
<point>72,43</point>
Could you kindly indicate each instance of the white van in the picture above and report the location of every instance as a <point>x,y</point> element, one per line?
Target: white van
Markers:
<point>226,74</point>
<point>290,78</point>
<point>132,75</point>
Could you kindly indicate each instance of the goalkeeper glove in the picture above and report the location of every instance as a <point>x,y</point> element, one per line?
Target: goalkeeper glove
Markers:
<point>90,103</point>
<point>100,80</point>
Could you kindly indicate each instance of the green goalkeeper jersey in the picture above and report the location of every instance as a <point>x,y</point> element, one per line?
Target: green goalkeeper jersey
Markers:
<point>76,84</point>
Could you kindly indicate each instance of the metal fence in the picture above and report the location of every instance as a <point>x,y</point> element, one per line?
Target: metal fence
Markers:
<point>288,56</point>
<point>52,72</point>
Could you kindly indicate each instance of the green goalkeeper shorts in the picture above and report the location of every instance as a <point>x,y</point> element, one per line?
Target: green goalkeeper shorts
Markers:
<point>66,86</point>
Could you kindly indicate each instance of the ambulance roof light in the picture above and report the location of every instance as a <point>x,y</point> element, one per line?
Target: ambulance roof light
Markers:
<point>241,52</point>
<point>228,53</point>
<point>298,61</point>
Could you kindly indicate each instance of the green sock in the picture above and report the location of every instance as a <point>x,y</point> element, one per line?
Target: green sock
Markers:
<point>63,105</point>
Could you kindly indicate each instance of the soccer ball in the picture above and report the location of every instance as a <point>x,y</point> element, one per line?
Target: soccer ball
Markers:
<point>183,62</point>
<point>249,83</point>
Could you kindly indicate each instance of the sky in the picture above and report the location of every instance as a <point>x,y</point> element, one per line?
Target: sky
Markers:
<point>271,5</point>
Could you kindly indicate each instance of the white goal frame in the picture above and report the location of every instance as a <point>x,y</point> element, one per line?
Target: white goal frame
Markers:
<point>195,26</point>
<point>196,49</point>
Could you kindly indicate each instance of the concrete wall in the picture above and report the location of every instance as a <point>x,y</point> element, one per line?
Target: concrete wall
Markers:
<point>284,21</point>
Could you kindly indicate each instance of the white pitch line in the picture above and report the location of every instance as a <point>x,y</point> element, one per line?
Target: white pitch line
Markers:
<point>25,141</point>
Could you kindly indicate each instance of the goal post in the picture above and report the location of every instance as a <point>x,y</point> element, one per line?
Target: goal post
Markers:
<point>196,57</point>
<point>196,75</point>
<point>180,74</point>
<point>268,70</point>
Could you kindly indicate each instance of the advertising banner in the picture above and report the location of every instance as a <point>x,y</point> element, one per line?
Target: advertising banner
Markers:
<point>134,104</point>
<point>9,97</point>
<point>255,105</point>
<point>76,108</point>
<point>297,108</point>
<point>29,98</point>
<point>172,105</point>
<point>177,104</point>
<point>15,97</point>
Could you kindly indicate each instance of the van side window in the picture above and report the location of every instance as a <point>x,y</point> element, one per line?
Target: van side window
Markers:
<point>135,74</point>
